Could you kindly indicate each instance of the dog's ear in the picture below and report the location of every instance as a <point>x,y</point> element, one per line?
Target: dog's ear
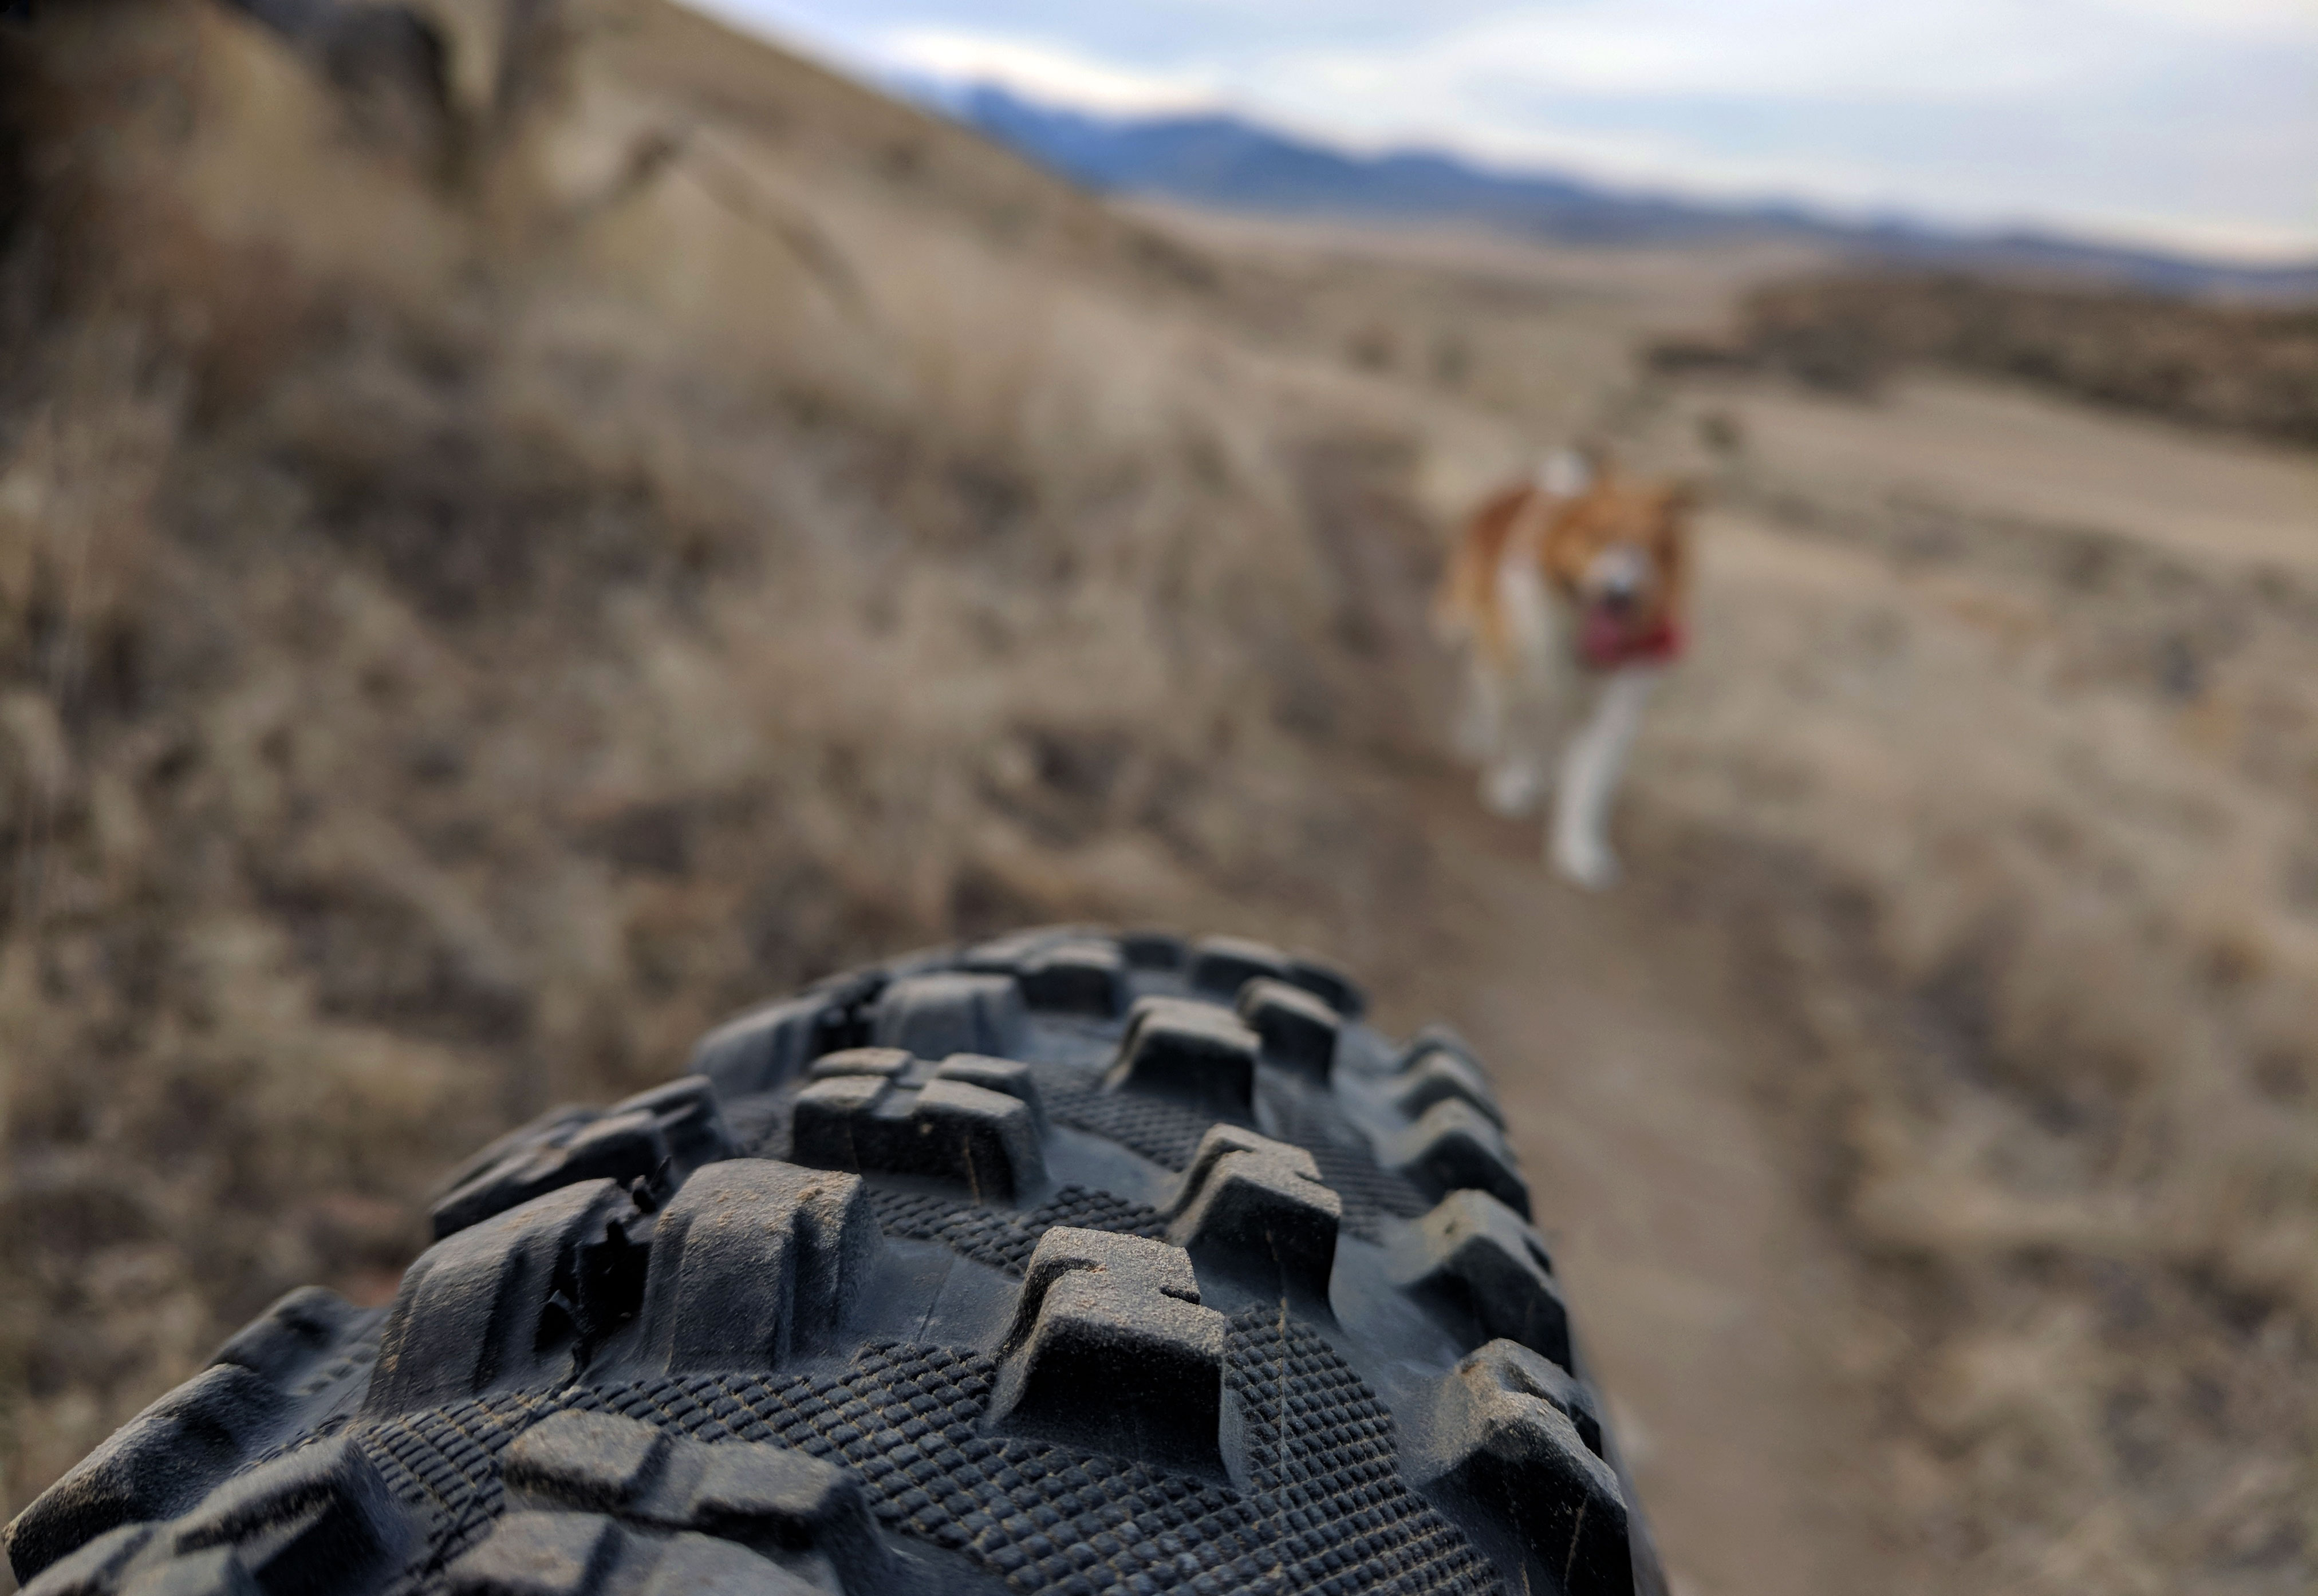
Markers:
<point>1682,496</point>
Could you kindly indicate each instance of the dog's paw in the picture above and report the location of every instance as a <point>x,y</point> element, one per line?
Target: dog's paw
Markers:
<point>1596,869</point>
<point>1511,790</point>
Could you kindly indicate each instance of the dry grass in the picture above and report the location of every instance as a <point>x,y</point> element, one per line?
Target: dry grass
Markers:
<point>2042,846</point>
<point>2248,368</point>
<point>464,638</point>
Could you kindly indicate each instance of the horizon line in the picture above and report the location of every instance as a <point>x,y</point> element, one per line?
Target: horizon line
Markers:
<point>2177,244</point>
<point>1132,97</point>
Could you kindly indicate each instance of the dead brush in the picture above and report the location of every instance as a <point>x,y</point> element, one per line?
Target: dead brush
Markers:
<point>557,622</point>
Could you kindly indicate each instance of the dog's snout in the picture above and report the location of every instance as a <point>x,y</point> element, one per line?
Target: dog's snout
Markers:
<point>1618,576</point>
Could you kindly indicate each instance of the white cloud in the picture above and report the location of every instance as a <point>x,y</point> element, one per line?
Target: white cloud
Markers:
<point>2255,20</point>
<point>1773,48</point>
<point>1050,73</point>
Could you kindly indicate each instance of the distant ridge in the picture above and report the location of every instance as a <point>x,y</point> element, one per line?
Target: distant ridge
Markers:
<point>1219,159</point>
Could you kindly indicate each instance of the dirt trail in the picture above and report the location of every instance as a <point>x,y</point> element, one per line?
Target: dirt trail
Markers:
<point>1628,1062</point>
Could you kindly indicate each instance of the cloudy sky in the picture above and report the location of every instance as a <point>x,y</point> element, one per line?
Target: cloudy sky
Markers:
<point>2186,123</point>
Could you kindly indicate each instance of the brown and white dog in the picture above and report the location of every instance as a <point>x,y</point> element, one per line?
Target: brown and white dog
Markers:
<point>1569,585</point>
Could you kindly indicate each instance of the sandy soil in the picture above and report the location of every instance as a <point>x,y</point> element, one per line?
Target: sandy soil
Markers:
<point>1713,1299</point>
<point>1988,449</point>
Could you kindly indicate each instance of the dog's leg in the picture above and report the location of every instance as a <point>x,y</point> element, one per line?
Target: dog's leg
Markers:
<point>1510,782</point>
<point>1529,691</point>
<point>1514,776</point>
<point>1596,758</point>
<point>1481,715</point>
<point>1514,784</point>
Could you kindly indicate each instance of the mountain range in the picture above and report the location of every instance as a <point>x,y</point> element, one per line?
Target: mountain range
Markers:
<point>1230,162</point>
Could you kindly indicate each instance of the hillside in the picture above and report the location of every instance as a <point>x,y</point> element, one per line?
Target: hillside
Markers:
<point>526,528</point>
<point>494,584</point>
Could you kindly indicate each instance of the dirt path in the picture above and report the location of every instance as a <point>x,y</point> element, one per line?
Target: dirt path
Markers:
<point>1708,1296</point>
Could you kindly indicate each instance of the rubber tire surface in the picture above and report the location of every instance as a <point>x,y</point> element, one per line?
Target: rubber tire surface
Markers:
<point>1069,1262</point>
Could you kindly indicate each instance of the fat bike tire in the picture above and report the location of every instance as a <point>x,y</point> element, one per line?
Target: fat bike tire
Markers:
<point>1073,1262</point>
